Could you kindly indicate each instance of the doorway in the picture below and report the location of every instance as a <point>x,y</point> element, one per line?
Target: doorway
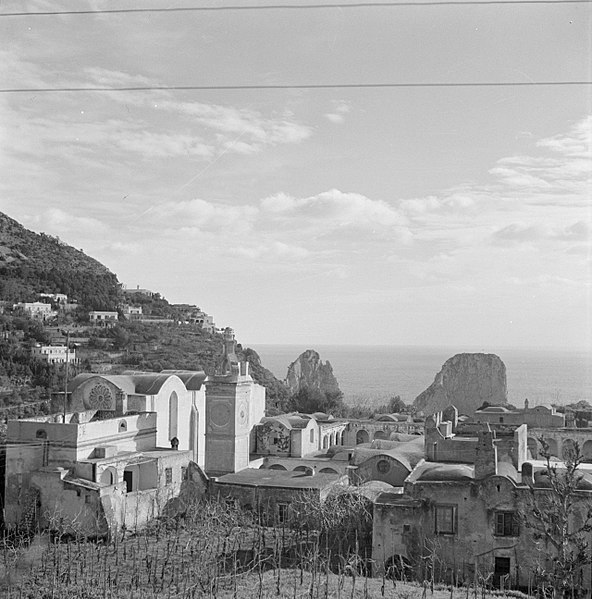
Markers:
<point>501,572</point>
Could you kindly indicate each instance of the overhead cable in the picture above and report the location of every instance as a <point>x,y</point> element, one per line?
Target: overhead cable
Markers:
<point>247,7</point>
<point>280,86</point>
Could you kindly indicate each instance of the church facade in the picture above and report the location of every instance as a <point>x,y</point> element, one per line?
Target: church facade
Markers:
<point>127,446</point>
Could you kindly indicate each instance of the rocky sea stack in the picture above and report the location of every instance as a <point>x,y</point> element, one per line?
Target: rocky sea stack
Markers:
<point>466,381</point>
<point>308,371</point>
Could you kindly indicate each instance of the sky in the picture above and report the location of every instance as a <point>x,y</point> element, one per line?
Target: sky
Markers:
<point>407,216</point>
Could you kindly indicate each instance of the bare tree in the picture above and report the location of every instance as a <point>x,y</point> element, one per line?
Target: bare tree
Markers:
<point>559,513</point>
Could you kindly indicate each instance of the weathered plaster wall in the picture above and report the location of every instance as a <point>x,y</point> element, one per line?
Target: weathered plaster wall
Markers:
<point>21,461</point>
<point>68,508</point>
<point>274,438</point>
<point>409,530</point>
<point>561,439</point>
<point>371,427</point>
<point>69,442</point>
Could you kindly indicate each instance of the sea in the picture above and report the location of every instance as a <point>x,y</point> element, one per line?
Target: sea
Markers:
<point>370,375</point>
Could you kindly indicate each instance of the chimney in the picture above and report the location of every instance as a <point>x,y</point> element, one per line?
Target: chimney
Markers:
<point>485,455</point>
<point>527,474</point>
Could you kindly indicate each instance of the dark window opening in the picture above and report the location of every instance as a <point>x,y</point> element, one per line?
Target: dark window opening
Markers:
<point>445,521</point>
<point>282,511</point>
<point>128,478</point>
<point>168,474</point>
<point>507,524</point>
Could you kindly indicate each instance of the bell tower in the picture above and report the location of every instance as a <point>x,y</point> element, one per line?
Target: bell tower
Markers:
<point>229,393</point>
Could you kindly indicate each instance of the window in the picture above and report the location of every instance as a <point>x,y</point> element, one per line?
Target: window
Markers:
<point>123,426</point>
<point>312,435</point>
<point>168,475</point>
<point>445,520</point>
<point>282,511</point>
<point>383,466</point>
<point>507,524</point>
<point>128,479</point>
<point>183,473</point>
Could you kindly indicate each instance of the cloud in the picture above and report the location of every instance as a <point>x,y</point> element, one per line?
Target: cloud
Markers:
<point>337,115</point>
<point>333,209</point>
<point>564,172</point>
<point>578,231</point>
<point>94,130</point>
<point>575,144</point>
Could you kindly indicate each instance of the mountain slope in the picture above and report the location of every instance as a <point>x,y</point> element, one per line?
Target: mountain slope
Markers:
<point>31,263</point>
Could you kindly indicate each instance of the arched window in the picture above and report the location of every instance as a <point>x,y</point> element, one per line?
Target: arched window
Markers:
<point>122,426</point>
<point>173,415</point>
<point>362,437</point>
<point>41,434</point>
<point>108,477</point>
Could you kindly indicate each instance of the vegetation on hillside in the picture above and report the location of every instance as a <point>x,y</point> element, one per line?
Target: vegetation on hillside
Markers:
<point>33,262</point>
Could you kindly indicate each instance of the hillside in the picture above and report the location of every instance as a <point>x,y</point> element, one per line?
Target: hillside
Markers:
<point>33,262</point>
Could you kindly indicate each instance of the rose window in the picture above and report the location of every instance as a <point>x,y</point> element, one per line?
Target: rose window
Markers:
<point>100,397</point>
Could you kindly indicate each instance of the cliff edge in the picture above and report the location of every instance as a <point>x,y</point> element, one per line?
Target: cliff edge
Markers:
<point>466,381</point>
<point>309,371</point>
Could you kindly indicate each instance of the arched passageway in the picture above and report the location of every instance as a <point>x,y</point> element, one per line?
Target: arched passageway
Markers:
<point>362,437</point>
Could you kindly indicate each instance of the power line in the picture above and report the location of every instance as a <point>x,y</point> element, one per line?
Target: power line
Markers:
<point>289,7</point>
<point>142,88</point>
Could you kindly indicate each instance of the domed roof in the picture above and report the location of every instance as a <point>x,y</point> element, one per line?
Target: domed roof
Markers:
<point>321,416</point>
<point>436,471</point>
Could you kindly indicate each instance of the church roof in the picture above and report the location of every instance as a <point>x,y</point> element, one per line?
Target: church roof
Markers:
<point>193,379</point>
<point>143,383</point>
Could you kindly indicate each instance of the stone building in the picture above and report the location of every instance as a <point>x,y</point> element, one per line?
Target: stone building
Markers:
<point>103,318</point>
<point>38,310</point>
<point>536,417</point>
<point>273,493</point>
<point>380,428</point>
<point>54,354</point>
<point>132,312</point>
<point>127,445</point>
<point>296,435</point>
<point>390,462</point>
<point>460,508</point>
<point>89,475</point>
<point>560,432</point>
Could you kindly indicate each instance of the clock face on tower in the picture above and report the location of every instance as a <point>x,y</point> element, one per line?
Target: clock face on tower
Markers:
<point>220,414</point>
<point>243,414</point>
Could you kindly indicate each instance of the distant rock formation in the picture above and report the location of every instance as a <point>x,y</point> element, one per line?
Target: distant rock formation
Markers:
<point>466,380</point>
<point>309,371</point>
